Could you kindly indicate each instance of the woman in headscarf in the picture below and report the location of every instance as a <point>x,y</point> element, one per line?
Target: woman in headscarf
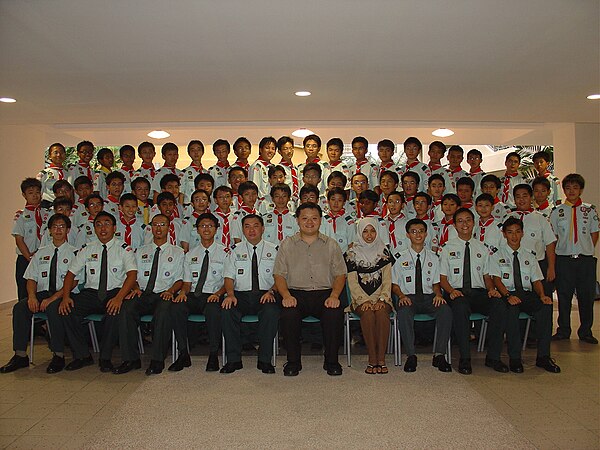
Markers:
<point>369,263</point>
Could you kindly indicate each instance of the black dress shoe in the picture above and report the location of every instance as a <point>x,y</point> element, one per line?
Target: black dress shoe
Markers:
<point>464,367</point>
<point>548,364</point>
<point>155,367</point>
<point>497,365</point>
<point>212,364</point>
<point>15,363</point>
<point>127,366</point>
<point>411,363</point>
<point>56,365</point>
<point>589,339</point>
<point>78,363</point>
<point>334,369</point>
<point>559,337</point>
<point>265,367</point>
<point>440,362</point>
<point>105,365</point>
<point>516,365</point>
<point>184,360</point>
<point>291,369</point>
<point>231,367</point>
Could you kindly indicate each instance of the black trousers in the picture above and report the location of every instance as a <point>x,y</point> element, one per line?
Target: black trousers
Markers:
<point>575,275</point>
<point>87,302</point>
<point>197,305</point>
<point>312,303</point>
<point>22,324</point>
<point>479,302</point>
<point>20,268</point>
<point>531,304</point>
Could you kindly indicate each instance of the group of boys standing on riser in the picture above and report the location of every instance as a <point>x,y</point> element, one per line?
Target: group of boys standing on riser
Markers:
<point>561,235</point>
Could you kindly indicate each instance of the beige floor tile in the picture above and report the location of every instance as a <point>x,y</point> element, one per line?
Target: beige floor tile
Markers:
<point>539,439</point>
<point>38,442</point>
<point>75,410</point>
<point>13,396</point>
<point>91,397</point>
<point>56,427</point>
<point>28,411</point>
<point>574,438</point>
<point>6,440</point>
<point>5,407</point>
<point>47,397</point>
<point>9,427</point>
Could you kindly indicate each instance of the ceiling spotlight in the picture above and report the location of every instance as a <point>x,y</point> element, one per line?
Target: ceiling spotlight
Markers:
<point>593,97</point>
<point>442,132</point>
<point>302,93</point>
<point>302,133</point>
<point>7,100</point>
<point>158,134</point>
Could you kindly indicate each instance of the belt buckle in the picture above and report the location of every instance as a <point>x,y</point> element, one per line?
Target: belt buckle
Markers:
<point>573,256</point>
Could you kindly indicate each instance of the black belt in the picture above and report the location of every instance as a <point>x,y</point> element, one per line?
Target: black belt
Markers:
<point>575,256</point>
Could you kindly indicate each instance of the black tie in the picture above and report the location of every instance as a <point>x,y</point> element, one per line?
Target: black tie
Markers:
<point>203,274</point>
<point>255,283</point>
<point>517,273</point>
<point>53,263</point>
<point>419,280</point>
<point>153,272</point>
<point>467,270</point>
<point>103,274</point>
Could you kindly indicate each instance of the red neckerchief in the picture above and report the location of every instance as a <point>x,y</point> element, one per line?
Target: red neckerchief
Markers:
<point>467,205</point>
<point>543,205</point>
<point>112,198</point>
<point>335,216</point>
<point>175,213</point>
<point>149,167</point>
<point>384,209</point>
<point>223,165</point>
<point>434,166</point>
<point>409,199</point>
<point>436,203</point>
<point>387,165</point>
<point>522,214</point>
<point>247,209</point>
<point>335,163</point>
<point>245,165</point>
<point>129,170</point>
<point>430,214</point>
<point>314,160</point>
<point>127,224</point>
<point>225,238</point>
<point>546,174</point>
<point>412,164</point>
<point>359,165</point>
<point>59,169</point>
<point>446,223</point>
<point>88,169</point>
<point>496,200</point>
<point>37,214</point>
<point>195,214</point>
<point>453,171</point>
<point>173,169</point>
<point>239,198</point>
<point>172,237</point>
<point>294,173</point>
<point>479,170</point>
<point>483,226</point>
<point>263,162</point>
<point>574,216</point>
<point>392,229</point>
<point>198,169</point>
<point>280,222</point>
<point>506,186</point>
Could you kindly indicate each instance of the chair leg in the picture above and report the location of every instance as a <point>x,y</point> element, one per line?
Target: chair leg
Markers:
<point>224,357</point>
<point>140,341</point>
<point>174,352</point>
<point>394,325</point>
<point>482,335</point>
<point>31,339</point>
<point>275,345</point>
<point>434,338</point>
<point>93,337</point>
<point>526,333</point>
<point>347,342</point>
<point>399,345</point>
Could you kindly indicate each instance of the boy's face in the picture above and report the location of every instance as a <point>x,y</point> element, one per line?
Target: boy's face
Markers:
<point>147,154</point>
<point>142,191</point>
<point>65,191</point>
<point>421,206</point>
<point>464,192</point>
<point>435,154</point>
<point>107,160</point>
<point>464,225</point>
<point>224,200</point>
<point>94,206</point>
<point>166,207</point>
<point>409,186</point>
<point>205,185</point>
<point>105,229</point>
<point>86,153</point>
<point>335,182</point>
<point>385,154</point>
<point>367,206</point>
<point>359,150</point>
<point>128,157</point>
<point>249,197</point>
<point>221,152</point>
<point>128,208</point>
<point>484,209</point>
<point>540,193</point>
<point>412,151</point>
<point>455,158</point>
<point>489,187</point>
<point>277,178</point>
<point>207,230</point>
<point>267,151</point>
<point>449,207</point>
<point>474,160</point>
<point>513,235</point>
<point>32,195</point>
<point>171,157</point>
<point>115,187</point>
<point>173,188</point>
<point>63,209</point>
<point>334,153</point>
<point>541,165</point>
<point>359,183</point>
<point>572,191</point>
<point>309,197</point>
<point>236,177</point>
<point>159,228</point>
<point>196,152</point>
<point>312,178</point>
<point>83,190</point>
<point>336,203</point>
<point>512,164</point>
<point>394,205</point>
<point>522,200</point>
<point>311,149</point>
<point>387,184</point>
<point>281,199</point>
<point>436,189</point>
<point>287,151</point>
<point>417,234</point>
<point>200,202</point>
<point>59,230</point>
<point>57,155</point>
<point>242,151</point>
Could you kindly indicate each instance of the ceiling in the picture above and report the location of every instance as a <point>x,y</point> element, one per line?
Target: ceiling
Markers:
<point>497,71</point>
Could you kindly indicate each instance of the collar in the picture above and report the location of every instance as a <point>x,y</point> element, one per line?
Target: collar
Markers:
<point>55,167</point>
<point>487,223</point>
<point>475,172</point>
<point>147,166</point>
<point>222,165</point>
<point>285,211</point>
<point>106,170</point>
<point>286,163</point>
<point>511,174</point>
<point>448,221</point>
<point>32,207</point>
<point>196,167</point>
<point>434,166</point>
<point>220,212</point>
<point>298,238</point>
<point>263,162</point>
<point>335,163</point>
<point>543,205</point>
<point>412,164</point>
<point>577,203</point>
<point>124,221</point>
<point>315,160</point>
<point>340,213</point>
<point>387,165</point>
<point>453,171</point>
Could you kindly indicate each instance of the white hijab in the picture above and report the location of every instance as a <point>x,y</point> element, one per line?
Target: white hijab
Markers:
<point>367,253</point>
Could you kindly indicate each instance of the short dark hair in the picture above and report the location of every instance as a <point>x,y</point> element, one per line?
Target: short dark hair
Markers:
<point>200,191</point>
<point>247,186</point>
<point>168,178</point>
<point>139,180</point>
<point>222,188</point>
<point>484,198</point>
<point>56,217</point>
<point>542,155</point>
<point>424,195</point>
<point>512,221</point>
<point>493,178</point>
<point>312,166</point>
<point>308,189</point>
<point>61,184</point>
<point>145,144</point>
<point>453,197</point>
<point>237,169</point>
<point>522,186</point>
<point>337,174</point>
<point>209,216</point>
<point>361,140</point>
<point>274,169</point>
<point>511,154</point>
<point>195,142</point>
<point>165,196</point>
<point>463,210</point>
<point>92,196</point>
<point>413,140</point>
<point>456,148</point>
<point>280,187</point>
<point>128,196</point>
<point>168,147</point>
<point>126,148</point>
<point>393,175</point>
<point>386,143</point>
<point>413,222</point>
<point>358,174</point>
<point>574,178</point>
<point>160,215</point>
<point>253,216</point>
<point>337,191</point>
<point>111,176</point>
<point>335,141</point>
<point>267,140</point>
<point>438,144</point>
<point>399,194</point>
<point>466,181</point>
<point>368,194</point>
<point>105,214</point>
<point>62,201</point>
<point>82,180</point>
<point>220,142</point>
<point>541,180</point>
<point>84,144</point>
<point>284,140</point>
<point>204,177</point>
<point>304,206</point>
<point>241,139</point>
<point>103,152</point>
<point>436,176</point>
<point>411,174</point>
<point>474,151</point>
<point>30,183</point>
<point>57,144</point>
<point>312,137</point>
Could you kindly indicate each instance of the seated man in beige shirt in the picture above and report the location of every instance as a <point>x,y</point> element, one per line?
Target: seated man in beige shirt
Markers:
<point>310,274</point>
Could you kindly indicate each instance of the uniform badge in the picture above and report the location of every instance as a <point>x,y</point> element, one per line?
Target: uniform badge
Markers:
<point>46,258</point>
<point>526,263</point>
<point>268,255</point>
<point>505,276</point>
<point>94,256</point>
<point>408,279</point>
<point>479,255</point>
<point>240,271</point>
<point>44,274</point>
<point>92,271</point>
<point>144,256</point>
<point>146,273</point>
<point>457,270</point>
<point>195,259</point>
<point>115,270</point>
<point>194,274</point>
<point>65,261</point>
<point>167,274</point>
<point>452,253</point>
<point>170,259</point>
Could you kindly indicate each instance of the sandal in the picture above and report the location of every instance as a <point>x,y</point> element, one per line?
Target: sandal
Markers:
<point>383,369</point>
<point>377,369</point>
<point>371,369</point>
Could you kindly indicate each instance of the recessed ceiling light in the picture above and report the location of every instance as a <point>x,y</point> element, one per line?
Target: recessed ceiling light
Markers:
<point>593,97</point>
<point>442,132</point>
<point>7,100</point>
<point>302,93</point>
<point>302,133</point>
<point>158,134</point>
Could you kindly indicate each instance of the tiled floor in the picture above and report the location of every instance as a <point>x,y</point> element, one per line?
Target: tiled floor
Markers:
<point>65,410</point>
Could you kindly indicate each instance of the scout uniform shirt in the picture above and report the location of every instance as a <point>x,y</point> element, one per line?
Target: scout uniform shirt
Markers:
<point>164,170</point>
<point>85,233</point>
<point>368,169</point>
<point>238,265</point>
<point>322,185</point>
<point>188,175</point>
<point>224,231</point>
<point>476,177</point>
<point>501,265</point>
<point>175,233</point>
<point>340,227</point>
<point>235,221</point>
<point>259,174</point>
<point>48,176</point>
<point>489,232</point>
<point>129,173</point>
<point>555,195</point>
<point>28,223</point>
<point>443,231</point>
<point>292,178</point>
<point>451,262</point>
<point>279,225</point>
<point>189,231</point>
<point>147,171</point>
<point>537,232</point>
<point>192,268</point>
<point>420,169</point>
<point>88,263</point>
<point>404,271</point>
<point>220,173</point>
<point>79,214</point>
<point>501,210</point>
<point>545,209</point>
<point>133,233</point>
<point>170,266</point>
<point>455,175</point>
<point>574,233</point>
<point>111,205</point>
<point>39,268</point>
<point>445,173</point>
<point>47,239</point>
<point>338,166</point>
<point>509,181</point>
<point>398,240</point>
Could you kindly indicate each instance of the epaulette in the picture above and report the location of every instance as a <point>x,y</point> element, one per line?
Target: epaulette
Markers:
<point>277,247</point>
<point>348,217</point>
<point>18,214</point>
<point>83,246</point>
<point>124,245</point>
<point>500,225</point>
<point>232,247</point>
<point>144,226</point>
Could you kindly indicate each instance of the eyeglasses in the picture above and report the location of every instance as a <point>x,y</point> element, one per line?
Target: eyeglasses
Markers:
<point>159,224</point>
<point>205,226</point>
<point>414,232</point>
<point>58,226</point>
